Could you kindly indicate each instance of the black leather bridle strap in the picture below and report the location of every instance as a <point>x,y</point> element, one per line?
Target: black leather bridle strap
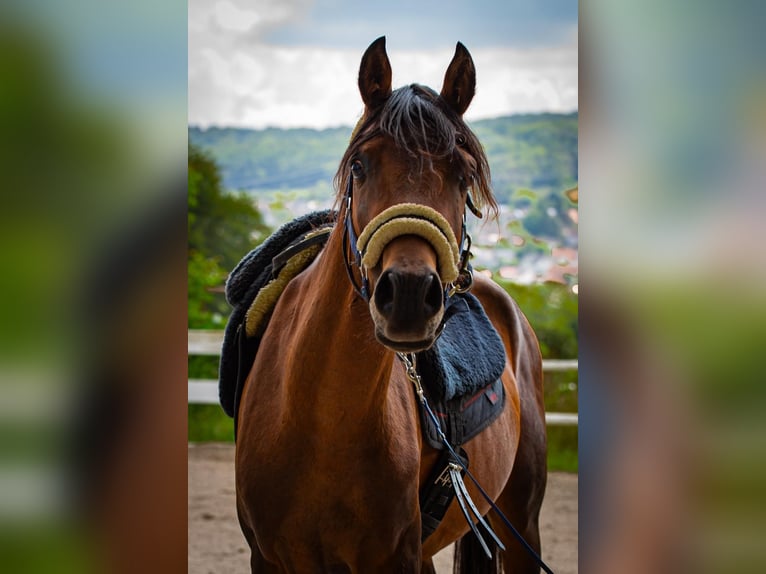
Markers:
<point>349,222</point>
<point>350,240</point>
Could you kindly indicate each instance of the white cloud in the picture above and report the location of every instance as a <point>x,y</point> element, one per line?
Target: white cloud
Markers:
<point>244,16</point>
<point>237,79</point>
<point>231,17</point>
<point>516,81</point>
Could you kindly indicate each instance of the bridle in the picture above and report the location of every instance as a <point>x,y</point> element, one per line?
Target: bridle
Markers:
<point>423,221</point>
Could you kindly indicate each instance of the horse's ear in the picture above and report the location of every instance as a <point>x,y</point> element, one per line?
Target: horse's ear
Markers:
<point>375,74</point>
<point>460,80</point>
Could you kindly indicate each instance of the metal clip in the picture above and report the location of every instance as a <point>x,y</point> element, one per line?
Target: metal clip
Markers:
<point>410,365</point>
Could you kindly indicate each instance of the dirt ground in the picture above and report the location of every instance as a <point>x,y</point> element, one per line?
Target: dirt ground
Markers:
<point>216,545</point>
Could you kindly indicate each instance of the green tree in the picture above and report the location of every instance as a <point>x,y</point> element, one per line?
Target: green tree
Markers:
<point>222,227</point>
<point>552,310</point>
<point>222,224</point>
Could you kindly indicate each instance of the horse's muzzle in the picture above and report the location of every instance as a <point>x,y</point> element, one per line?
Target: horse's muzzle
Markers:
<point>407,306</point>
<point>415,251</point>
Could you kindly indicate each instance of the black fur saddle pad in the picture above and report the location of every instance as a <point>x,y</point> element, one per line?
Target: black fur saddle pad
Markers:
<point>461,374</point>
<point>259,268</point>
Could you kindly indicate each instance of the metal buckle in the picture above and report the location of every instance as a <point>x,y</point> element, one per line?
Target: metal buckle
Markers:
<point>464,280</point>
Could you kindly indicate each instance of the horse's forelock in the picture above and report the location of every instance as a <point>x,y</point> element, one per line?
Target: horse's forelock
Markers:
<point>425,128</point>
<point>412,118</point>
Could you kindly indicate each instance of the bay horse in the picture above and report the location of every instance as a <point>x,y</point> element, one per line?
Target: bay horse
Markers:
<point>329,453</point>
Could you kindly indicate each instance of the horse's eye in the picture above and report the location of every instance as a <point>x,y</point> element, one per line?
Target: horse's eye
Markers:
<point>460,139</point>
<point>357,169</point>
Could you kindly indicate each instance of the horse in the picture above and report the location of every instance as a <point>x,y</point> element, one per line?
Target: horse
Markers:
<point>329,452</point>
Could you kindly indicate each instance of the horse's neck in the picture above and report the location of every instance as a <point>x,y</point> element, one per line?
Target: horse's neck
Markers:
<point>337,358</point>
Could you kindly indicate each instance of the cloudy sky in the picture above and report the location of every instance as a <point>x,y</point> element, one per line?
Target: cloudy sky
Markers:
<point>294,63</point>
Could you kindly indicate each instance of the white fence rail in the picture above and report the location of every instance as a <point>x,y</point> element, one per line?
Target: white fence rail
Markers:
<point>205,391</point>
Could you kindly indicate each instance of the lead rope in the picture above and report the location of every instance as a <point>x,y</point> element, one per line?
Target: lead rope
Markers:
<point>410,364</point>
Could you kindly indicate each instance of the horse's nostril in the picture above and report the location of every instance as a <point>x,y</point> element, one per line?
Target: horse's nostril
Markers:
<point>407,297</point>
<point>433,295</point>
<point>384,292</point>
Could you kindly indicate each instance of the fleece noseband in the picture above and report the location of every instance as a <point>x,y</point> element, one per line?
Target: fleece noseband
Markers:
<point>397,220</point>
<point>411,219</point>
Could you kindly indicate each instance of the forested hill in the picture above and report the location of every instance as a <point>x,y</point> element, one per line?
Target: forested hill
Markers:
<point>532,151</point>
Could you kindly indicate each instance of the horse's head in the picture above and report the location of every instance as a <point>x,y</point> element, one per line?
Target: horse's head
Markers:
<point>411,168</point>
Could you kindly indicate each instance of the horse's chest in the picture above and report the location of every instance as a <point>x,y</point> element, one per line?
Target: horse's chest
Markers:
<point>332,503</point>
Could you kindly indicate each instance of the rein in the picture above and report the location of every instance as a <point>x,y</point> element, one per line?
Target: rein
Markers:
<point>457,465</point>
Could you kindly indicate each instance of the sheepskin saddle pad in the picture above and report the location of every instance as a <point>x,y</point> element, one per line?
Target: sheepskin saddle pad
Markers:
<point>461,373</point>
<point>253,288</point>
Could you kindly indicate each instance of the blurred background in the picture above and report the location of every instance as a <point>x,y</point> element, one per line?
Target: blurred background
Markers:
<point>673,305</point>
<point>93,286</point>
<point>93,250</point>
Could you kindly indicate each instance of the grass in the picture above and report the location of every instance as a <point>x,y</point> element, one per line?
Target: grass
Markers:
<point>562,449</point>
<point>60,546</point>
<point>208,423</point>
<point>561,397</point>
